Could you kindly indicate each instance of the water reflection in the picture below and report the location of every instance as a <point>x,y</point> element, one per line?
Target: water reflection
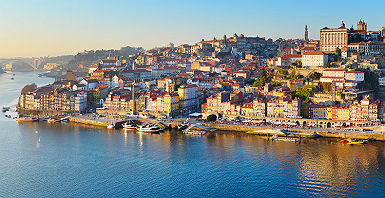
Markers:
<point>321,167</point>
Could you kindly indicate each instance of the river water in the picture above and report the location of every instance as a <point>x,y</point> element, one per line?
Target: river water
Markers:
<point>71,160</point>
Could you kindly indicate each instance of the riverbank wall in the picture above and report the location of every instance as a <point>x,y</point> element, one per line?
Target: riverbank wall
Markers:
<point>43,113</point>
<point>90,121</point>
<point>267,131</point>
<point>257,130</point>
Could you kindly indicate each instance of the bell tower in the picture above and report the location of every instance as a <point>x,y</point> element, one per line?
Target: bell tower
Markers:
<point>306,34</point>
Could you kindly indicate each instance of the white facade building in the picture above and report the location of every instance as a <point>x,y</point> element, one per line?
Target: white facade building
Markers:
<point>355,76</point>
<point>314,59</point>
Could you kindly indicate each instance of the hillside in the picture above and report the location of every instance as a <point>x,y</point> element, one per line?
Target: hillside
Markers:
<point>88,58</point>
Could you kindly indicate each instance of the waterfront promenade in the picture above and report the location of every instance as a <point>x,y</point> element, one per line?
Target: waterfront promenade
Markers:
<point>249,127</point>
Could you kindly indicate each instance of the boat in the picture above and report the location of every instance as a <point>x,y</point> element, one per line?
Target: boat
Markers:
<point>51,120</point>
<point>194,132</point>
<point>129,126</point>
<point>352,141</point>
<point>110,126</point>
<point>149,129</point>
<point>12,78</point>
<point>24,119</point>
<point>288,139</point>
<point>5,109</point>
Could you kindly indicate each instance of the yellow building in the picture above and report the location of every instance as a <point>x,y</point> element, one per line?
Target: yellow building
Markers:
<point>171,104</point>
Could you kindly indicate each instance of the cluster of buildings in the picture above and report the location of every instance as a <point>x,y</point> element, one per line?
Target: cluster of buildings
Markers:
<point>279,103</point>
<point>48,99</point>
<point>234,76</point>
<point>317,53</point>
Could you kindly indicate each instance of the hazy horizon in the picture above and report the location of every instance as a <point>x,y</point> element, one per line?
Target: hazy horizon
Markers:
<point>39,28</point>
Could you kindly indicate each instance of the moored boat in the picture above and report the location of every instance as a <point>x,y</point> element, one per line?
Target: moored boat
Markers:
<point>51,120</point>
<point>110,126</point>
<point>352,141</point>
<point>5,109</point>
<point>194,132</point>
<point>149,129</point>
<point>24,119</point>
<point>287,139</point>
<point>129,126</point>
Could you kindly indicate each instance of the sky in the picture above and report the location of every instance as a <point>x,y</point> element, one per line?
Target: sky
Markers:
<point>32,28</point>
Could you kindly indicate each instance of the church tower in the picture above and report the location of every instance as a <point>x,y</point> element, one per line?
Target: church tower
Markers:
<point>306,34</point>
<point>133,99</point>
<point>361,25</point>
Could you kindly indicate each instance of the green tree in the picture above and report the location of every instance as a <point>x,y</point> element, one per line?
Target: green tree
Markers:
<point>293,75</point>
<point>283,71</point>
<point>212,118</point>
<point>315,76</point>
<point>338,51</point>
<point>327,87</point>
<point>297,64</point>
<point>328,65</point>
<point>303,95</point>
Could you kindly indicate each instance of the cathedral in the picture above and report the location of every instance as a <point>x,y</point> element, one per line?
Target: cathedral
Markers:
<point>332,38</point>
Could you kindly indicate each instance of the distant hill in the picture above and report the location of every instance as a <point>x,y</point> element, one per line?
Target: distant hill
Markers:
<point>88,58</point>
<point>68,62</point>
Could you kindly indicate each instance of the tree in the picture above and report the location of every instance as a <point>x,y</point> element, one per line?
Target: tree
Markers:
<point>315,76</point>
<point>283,71</point>
<point>265,77</point>
<point>328,65</point>
<point>293,75</point>
<point>338,51</point>
<point>297,64</point>
<point>303,95</point>
<point>327,87</point>
<point>212,118</point>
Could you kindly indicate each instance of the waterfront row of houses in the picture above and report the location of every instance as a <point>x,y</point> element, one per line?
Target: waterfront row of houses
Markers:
<point>168,104</point>
<point>226,104</point>
<point>48,99</point>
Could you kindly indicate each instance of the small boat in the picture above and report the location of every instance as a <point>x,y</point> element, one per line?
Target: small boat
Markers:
<point>5,109</point>
<point>149,129</point>
<point>352,141</point>
<point>287,139</point>
<point>194,132</point>
<point>51,120</point>
<point>129,126</point>
<point>110,126</point>
<point>24,119</point>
